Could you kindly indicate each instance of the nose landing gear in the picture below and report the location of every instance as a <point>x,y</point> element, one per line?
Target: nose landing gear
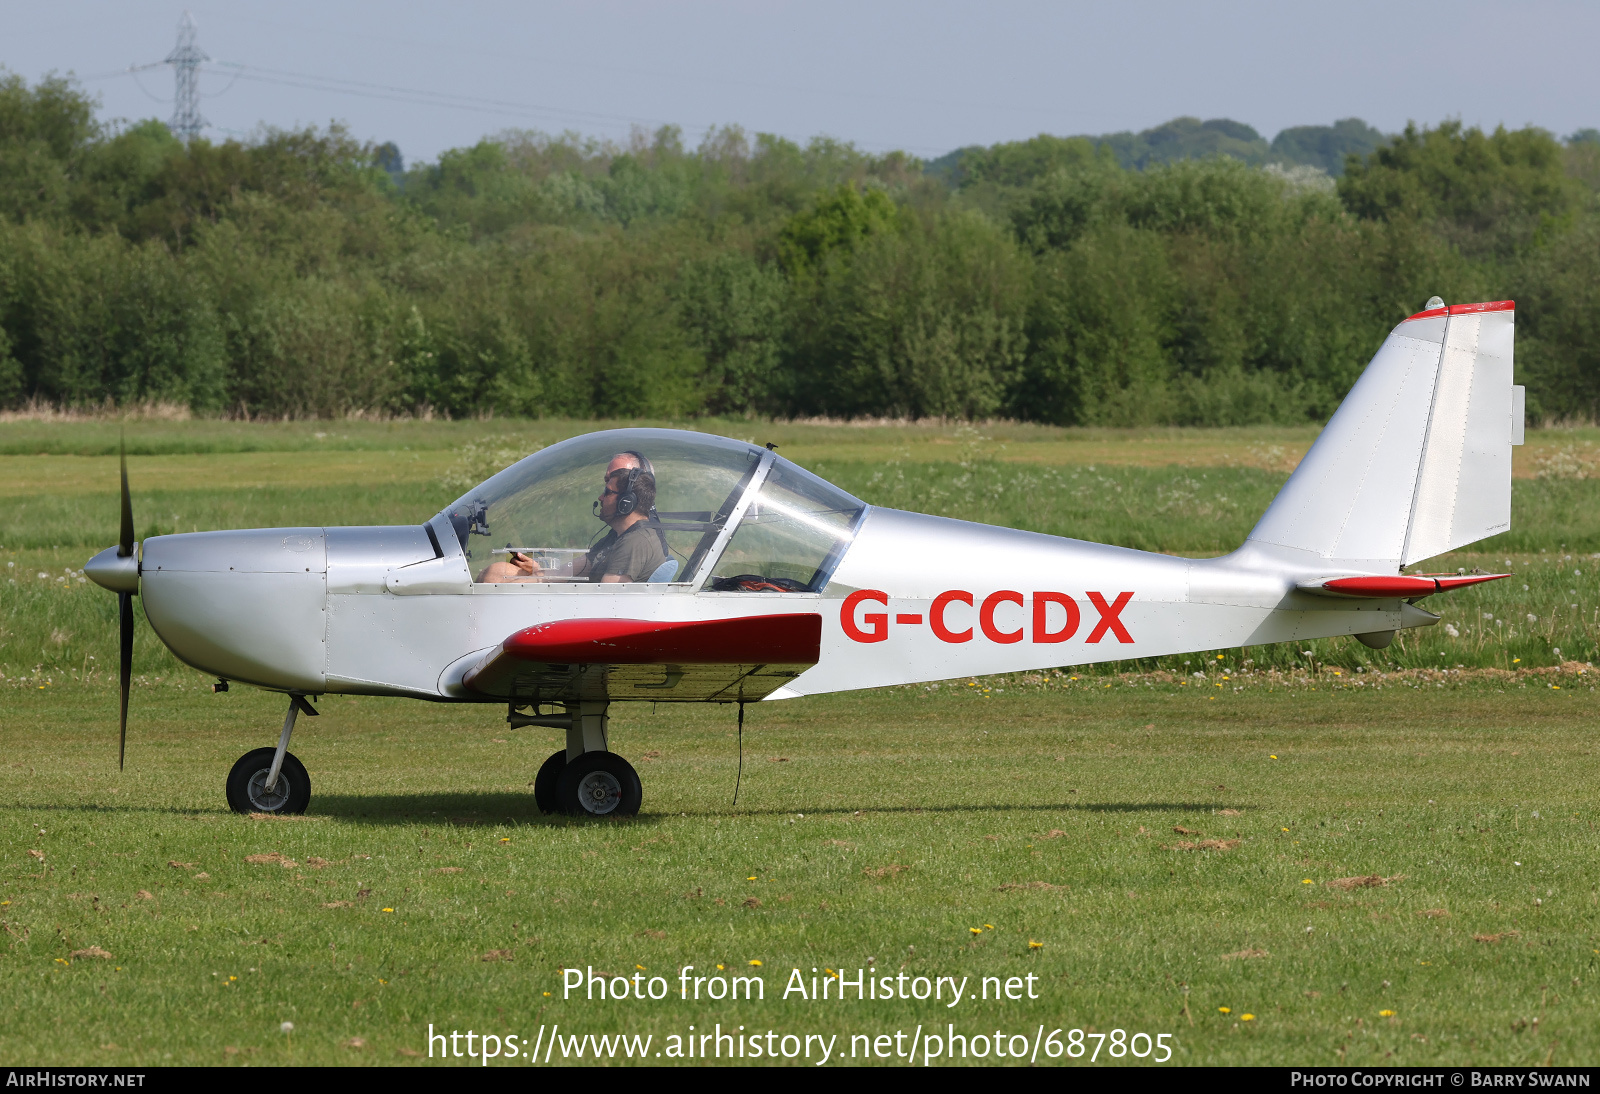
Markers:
<point>272,780</point>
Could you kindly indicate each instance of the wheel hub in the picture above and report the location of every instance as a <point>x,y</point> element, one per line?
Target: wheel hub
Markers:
<point>599,792</point>
<point>268,801</point>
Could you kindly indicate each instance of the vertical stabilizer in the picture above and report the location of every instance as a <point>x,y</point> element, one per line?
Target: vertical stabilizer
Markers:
<point>1417,459</point>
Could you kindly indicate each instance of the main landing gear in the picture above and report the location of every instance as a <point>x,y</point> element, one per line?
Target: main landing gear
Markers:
<point>585,779</point>
<point>272,780</point>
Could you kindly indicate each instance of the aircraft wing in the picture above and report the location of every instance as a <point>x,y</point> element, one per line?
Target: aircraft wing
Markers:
<point>733,660</point>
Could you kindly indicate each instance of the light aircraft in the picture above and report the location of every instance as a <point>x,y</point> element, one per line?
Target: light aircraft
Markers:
<point>766,582</point>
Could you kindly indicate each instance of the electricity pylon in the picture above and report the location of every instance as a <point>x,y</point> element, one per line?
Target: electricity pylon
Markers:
<point>185,60</point>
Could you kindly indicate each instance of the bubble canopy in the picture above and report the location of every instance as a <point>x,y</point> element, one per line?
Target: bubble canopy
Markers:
<point>733,516</point>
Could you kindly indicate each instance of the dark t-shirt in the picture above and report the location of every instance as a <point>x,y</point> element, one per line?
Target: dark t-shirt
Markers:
<point>635,554</point>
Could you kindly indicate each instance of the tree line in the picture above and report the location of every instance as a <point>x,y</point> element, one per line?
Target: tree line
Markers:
<point>1191,274</point>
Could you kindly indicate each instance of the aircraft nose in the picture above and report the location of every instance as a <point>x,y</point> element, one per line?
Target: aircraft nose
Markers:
<point>115,572</point>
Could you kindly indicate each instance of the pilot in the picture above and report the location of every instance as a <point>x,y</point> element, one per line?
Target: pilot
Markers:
<point>635,547</point>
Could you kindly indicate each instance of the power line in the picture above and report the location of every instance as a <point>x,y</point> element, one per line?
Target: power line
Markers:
<point>449,100</point>
<point>340,86</point>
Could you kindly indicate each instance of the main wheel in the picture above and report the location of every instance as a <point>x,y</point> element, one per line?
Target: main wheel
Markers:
<point>247,784</point>
<point>599,784</point>
<point>546,781</point>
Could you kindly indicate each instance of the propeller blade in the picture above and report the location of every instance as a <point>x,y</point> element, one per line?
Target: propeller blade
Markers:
<point>125,608</point>
<point>125,544</point>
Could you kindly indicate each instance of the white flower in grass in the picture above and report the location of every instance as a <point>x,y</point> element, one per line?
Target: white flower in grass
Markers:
<point>1532,618</point>
<point>1450,629</point>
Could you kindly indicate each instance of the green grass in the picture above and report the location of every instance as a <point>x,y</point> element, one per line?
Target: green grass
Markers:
<point>1078,787</point>
<point>1387,763</point>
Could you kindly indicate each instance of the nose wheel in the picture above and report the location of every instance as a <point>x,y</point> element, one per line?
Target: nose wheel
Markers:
<point>273,780</point>
<point>247,784</point>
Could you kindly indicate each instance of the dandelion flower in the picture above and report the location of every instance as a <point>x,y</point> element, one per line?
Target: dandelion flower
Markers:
<point>1386,1014</point>
<point>1032,945</point>
<point>388,909</point>
<point>1247,1018</point>
<point>757,964</point>
<point>640,968</point>
<point>1224,1010</point>
<point>1283,829</point>
<point>975,930</point>
<point>750,878</point>
<point>286,1027</point>
<point>1306,881</point>
<point>1274,758</point>
<point>990,926</point>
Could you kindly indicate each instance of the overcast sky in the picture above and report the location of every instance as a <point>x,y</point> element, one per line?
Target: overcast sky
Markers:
<point>924,76</point>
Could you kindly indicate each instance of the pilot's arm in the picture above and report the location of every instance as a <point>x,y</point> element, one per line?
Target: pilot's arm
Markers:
<point>517,567</point>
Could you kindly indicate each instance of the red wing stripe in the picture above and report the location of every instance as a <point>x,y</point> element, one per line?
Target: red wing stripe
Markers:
<point>770,639</point>
<point>1463,309</point>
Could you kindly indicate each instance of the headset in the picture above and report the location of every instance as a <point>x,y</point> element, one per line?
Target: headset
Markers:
<point>627,497</point>
<point>627,494</point>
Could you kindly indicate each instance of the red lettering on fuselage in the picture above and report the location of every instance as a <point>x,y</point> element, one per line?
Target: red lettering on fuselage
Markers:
<point>878,621</point>
<point>874,626</point>
<point>1109,617</point>
<point>1041,617</point>
<point>986,617</point>
<point>936,616</point>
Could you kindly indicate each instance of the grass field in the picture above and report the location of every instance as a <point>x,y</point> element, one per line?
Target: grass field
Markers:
<point>938,831</point>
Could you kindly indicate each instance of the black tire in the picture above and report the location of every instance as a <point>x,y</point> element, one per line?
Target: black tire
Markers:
<point>599,784</point>
<point>546,781</point>
<point>246,793</point>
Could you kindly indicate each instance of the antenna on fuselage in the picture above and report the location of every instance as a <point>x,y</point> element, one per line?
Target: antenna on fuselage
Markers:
<point>740,777</point>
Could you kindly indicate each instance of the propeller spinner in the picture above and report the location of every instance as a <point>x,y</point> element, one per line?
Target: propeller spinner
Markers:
<point>117,568</point>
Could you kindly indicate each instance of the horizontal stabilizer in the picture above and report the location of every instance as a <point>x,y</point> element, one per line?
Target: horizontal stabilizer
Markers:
<point>1406,586</point>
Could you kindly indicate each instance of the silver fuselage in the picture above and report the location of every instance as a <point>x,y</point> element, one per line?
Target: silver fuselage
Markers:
<point>394,611</point>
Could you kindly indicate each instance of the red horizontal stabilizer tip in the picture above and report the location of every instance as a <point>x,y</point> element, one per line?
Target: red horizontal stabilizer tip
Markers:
<point>1464,309</point>
<point>1459,581</point>
<point>1404,585</point>
<point>768,639</point>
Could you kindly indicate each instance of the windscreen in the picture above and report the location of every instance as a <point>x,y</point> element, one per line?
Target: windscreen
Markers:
<point>791,537</point>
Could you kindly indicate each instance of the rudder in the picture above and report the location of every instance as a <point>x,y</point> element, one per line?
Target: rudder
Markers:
<point>1417,459</point>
